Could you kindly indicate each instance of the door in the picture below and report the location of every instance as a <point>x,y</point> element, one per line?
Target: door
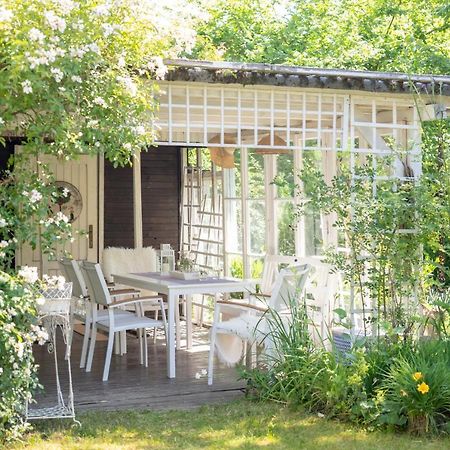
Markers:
<point>79,179</point>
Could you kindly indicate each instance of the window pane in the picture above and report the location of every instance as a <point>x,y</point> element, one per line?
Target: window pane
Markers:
<point>232,178</point>
<point>256,211</point>
<point>286,228</point>
<point>233,226</point>
<point>255,175</point>
<point>285,175</point>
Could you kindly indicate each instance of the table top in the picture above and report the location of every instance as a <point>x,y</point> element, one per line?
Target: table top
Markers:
<point>163,283</point>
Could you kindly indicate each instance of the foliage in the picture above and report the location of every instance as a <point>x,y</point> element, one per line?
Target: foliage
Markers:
<point>388,381</point>
<point>417,388</point>
<point>75,79</point>
<point>18,331</point>
<point>409,36</point>
<point>26,213</point>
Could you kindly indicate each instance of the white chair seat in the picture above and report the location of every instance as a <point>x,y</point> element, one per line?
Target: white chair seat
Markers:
<point>131,322</point>
<point>103,314</point>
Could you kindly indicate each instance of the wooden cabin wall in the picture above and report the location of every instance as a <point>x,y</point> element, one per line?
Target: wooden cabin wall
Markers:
<point>161,192</point>
<point>119,216</point>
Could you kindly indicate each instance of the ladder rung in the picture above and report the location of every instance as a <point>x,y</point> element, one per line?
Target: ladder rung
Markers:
<point>207,213</point>
<point>216,255</point>
<point>208,227</point>
<point>208,241</point>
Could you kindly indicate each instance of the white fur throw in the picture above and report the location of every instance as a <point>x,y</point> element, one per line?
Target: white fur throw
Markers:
<point>128,260</point>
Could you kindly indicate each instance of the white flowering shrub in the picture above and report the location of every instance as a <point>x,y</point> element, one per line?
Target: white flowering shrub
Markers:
<point>18,331</point>
<point>76,78</point>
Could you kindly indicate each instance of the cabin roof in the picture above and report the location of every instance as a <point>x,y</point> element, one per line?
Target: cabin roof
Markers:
<point>306,77</point>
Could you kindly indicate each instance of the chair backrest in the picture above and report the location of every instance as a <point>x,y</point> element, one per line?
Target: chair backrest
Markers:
<point>72,272</point>
<point>271,270</point>
<point>96,284</point>
<point>289,286</point>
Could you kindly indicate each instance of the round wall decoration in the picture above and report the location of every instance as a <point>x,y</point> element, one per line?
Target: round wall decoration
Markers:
<point>69,200</point>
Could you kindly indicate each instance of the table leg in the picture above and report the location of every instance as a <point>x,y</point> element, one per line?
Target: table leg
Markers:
<point>188,321</point>
<point>178,323</point>
<point>172,304</point>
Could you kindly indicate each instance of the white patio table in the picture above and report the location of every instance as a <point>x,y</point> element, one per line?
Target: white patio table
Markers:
<point>173,288</point>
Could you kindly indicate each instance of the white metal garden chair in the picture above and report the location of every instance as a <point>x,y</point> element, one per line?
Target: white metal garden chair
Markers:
<point>251,325</point>
<point>115,321</point>
<point>83,306</point>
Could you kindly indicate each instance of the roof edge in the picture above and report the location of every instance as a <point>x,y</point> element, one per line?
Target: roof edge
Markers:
<point>304,71</point>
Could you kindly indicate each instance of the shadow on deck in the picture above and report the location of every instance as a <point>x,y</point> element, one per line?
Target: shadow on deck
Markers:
<point>132,386</point>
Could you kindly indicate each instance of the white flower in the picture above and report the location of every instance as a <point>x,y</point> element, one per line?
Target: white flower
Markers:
<point>157,66</point>
<point>3,222</point>
<point>29,274</point>
<point>197,376</point>
<point>35,196</point>
<point>127,146</point>
<point>4,244</point>
<point>57,74</point>
<point>65,192</point>
<point>57,281</point>
<point>129,85</point>
<point>36,35</point>
<point>76,79</point>
<point>76,52</point>
<point>101,10</point>
<point>2,122</point>
<point>93,47</point>
<point>26,86</point>
<point>20,347</point>
<point>55,22</point>
<point>40,300</point>
<point>108,29</point>
<point>139,130</point>
<point>97,144</point>
<point>5,15</point>
<point>61,217</point>
<point>101,102</point>
<point>66,6</point>
<point>204,372</point>
<point>92,124</point>
<point>121,62</point>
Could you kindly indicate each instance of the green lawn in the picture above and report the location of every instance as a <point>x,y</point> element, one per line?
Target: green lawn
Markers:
<point>238,425</point>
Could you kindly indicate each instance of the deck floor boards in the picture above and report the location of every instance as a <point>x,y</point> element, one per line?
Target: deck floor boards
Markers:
<point>132,386</point>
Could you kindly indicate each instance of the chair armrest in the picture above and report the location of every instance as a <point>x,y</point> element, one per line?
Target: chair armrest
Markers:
<point>121,292</point>
<point>241,305</point>
<point>130,301</point>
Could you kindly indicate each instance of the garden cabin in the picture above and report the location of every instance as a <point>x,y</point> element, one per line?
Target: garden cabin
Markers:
<point>226,132</point>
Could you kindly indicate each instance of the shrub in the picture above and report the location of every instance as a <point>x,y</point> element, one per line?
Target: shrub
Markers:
<point>18,331</point>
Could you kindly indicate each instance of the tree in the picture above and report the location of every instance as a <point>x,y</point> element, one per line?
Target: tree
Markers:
<point>77,79</point>
<point>411,36</point>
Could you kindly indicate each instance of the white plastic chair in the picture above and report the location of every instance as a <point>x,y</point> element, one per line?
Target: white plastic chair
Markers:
<point>115,320</point>
<point>251,325</point>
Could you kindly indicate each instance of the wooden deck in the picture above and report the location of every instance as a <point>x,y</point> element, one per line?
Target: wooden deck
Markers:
<point>132,386</point>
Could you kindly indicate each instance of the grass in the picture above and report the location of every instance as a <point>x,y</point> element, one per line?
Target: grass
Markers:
<point>239,425</point>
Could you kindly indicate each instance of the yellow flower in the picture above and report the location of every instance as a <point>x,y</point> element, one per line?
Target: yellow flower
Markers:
<point>417,376</point>
<point>423,388</point>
